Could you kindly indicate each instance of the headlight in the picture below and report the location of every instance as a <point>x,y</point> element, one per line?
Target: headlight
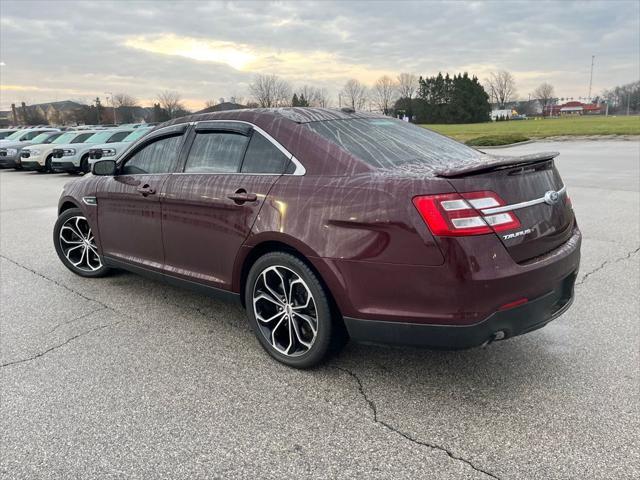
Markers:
<point>11,152</point>
<point>108,152</point>
<point>34,152</point>
<point>67,152</point>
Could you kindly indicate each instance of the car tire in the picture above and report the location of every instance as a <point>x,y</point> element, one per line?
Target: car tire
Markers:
<point>297,335</point>
<point>84,164</point>
<point>75,245</point>
<point>47,165</point>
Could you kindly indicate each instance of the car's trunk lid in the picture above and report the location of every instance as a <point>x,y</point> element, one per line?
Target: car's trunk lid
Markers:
<point>532,186</point>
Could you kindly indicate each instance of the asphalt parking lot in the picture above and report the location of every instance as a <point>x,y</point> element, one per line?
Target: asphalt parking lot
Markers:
<point>124,377</point>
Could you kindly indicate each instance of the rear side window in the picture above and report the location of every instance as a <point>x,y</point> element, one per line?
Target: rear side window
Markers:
<point>389,143</point>
<point>263,157</point>
<point>216,152</point>
<point>159,156</point>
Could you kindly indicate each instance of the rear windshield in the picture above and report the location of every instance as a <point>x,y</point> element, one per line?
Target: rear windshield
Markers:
<point>388,143</point>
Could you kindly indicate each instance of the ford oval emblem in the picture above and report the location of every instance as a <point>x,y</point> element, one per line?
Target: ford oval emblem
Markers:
<point>551,197</point>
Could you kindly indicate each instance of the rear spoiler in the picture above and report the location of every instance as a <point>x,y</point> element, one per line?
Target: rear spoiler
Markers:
<point>491,162</point>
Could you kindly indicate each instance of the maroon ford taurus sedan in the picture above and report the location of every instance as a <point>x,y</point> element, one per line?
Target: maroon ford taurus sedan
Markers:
<point>330,224</point>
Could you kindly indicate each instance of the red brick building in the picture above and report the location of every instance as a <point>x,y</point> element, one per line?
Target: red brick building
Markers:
<point>573,108</point>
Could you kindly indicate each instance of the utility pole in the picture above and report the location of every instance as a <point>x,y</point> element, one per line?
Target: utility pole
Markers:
<point>591,76</point>
<point>628,102</point>
<point>113,104</point>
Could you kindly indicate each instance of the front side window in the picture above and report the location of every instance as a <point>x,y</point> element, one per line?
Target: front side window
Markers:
<point>159,156</point>
<point>263,157</point>
<point>216,152</point>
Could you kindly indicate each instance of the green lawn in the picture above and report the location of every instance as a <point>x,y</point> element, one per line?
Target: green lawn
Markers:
<point>596,125</point>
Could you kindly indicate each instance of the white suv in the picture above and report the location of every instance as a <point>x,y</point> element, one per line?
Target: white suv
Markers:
<point>75,158</point>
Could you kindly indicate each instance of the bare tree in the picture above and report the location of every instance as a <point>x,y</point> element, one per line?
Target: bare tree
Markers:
<point>407,85</point>
<point>170,102</point>
<point>322,98</point>
<point>354,94</point>
<point>502,87</point>
<point>282,93</point>
<point>385,90</point>
<point>124,100</point>
<point>210,103</point>
<point>544,94</point>
<point>270,91</point>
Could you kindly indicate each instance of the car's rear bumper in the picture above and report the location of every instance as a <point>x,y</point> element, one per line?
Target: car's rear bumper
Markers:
<point>63,166</point>
<point>500,325</point>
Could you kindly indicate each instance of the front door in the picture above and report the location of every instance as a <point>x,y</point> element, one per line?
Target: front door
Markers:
<point>209,208</point>
<point>129,212</point>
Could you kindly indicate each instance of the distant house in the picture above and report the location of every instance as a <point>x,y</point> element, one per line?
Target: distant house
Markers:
<point>220,107</point>
<point>503,113</point>
<point>572,108</point>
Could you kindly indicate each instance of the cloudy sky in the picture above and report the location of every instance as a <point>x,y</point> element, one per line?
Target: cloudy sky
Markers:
<point>57,50</point>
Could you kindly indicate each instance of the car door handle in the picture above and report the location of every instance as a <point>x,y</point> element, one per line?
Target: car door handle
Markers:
<point>241,196</point>
<point>146,190</point>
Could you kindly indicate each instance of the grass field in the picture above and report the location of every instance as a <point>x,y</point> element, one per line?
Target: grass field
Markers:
<point>549,127</point>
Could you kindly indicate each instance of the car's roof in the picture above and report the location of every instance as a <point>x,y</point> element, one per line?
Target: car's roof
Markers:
<point>293,114</point>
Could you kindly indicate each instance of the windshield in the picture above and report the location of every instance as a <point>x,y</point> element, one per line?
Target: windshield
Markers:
<point>100,137</point>
<point>14,135</point>
<point>81,138</point>
<point>31,135</point>
<point>136,134</point>
<point>44,138</point>
<point>389,143</point>
<point>118,136</point>
<point>65,138</point>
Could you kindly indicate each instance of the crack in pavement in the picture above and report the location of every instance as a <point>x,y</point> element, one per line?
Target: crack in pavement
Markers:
<point>104,306</point>
<point>374,411</point>
<point>18,264</point>
<point>74,319</point>
<point>606,263</point>
<point>55,347</point>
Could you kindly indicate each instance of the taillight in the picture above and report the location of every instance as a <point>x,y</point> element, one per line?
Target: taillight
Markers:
<point>454,214</point>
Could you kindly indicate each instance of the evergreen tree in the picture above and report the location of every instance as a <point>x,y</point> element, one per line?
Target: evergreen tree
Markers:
<point>294,101</point>
<point>446,99</point>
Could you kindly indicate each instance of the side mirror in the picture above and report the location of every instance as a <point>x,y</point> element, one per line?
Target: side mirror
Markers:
<point>104,167</point>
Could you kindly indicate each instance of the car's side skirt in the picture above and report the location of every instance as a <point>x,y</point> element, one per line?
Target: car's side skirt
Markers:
<point>218,293</point>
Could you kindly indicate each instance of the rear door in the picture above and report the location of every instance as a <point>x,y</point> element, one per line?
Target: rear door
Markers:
<point>535,194</point>
<point>129,213</point>
<point>210,206</point>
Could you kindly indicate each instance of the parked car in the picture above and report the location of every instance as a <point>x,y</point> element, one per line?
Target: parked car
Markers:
<point>113,149</point>
<point>24,135</point>
<point>322,222</point>
<point>10,152</point>
<point>76,159</point>
<point>5,132</point>
<point>40,157</point>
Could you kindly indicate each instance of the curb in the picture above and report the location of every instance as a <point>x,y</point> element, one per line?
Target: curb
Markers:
<point>505,146</point>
